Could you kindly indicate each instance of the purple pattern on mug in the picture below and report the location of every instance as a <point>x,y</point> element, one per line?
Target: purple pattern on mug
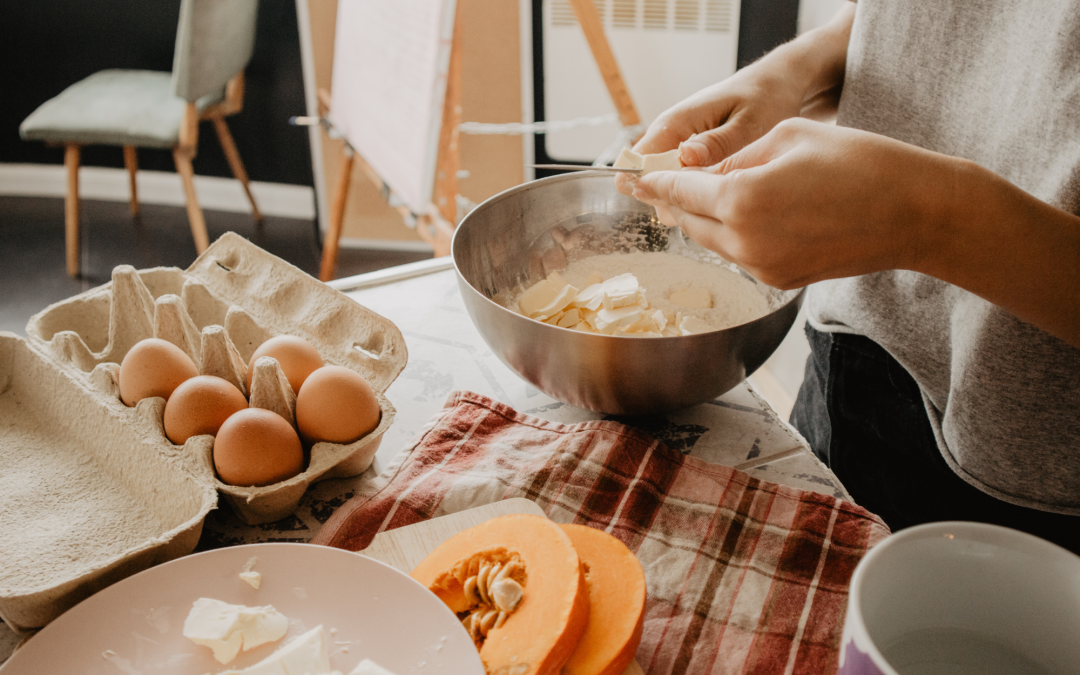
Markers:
<point>856,662</point>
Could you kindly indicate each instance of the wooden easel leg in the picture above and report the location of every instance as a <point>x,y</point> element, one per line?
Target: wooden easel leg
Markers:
<point>593,28</point>
<point>71,209</point>
<point>235,163</point>
<point>337,217</point>
<point>195,214</point>
<point>131,162</point>
<point>439,231</point>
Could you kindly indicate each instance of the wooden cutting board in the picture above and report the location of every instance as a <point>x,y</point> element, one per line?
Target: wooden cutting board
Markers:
<point>405,547</point>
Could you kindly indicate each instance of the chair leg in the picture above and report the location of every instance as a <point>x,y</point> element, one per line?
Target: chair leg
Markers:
<point>233,155</point>
<point>195,214</point>
<point>71,208</point>
<point>131,161</point>
<point>337,217</point>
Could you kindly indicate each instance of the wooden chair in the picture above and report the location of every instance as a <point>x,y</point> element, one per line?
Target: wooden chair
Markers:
<point>151,109</point>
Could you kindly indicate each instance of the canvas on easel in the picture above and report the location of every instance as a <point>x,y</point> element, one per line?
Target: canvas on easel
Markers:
<point>391,62</point>
<point>395,93</point>
<point>396,100</point>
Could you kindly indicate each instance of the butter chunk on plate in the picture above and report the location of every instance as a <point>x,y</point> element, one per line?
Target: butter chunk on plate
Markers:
<point>369,667</point>
<point>226,628</point>
<point>306,654</point>
<point>303,655</point>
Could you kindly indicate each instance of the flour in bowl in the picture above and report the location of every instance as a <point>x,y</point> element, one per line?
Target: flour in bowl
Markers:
<point>643,294</point>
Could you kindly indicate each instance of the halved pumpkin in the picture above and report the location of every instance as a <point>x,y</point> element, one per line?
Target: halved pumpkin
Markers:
<point>617,604</point>
<point>513,553</point>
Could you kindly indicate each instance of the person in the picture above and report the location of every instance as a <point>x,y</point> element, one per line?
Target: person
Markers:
<point>936,225</point>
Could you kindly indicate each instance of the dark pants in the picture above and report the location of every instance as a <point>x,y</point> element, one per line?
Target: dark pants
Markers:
<point>864,417</point>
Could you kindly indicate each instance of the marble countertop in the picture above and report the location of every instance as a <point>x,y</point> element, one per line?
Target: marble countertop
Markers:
<point>446,353</point>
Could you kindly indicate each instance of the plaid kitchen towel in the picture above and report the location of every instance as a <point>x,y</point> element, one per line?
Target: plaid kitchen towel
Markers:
<point>743,576</point>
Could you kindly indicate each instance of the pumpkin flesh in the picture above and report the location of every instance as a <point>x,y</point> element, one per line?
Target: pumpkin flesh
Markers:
<point>539,635</point>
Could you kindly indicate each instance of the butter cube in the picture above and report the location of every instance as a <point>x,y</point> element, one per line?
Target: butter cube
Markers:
<point>591,297</point>
<point>609,320</point>
<point>663,161</point>
<point>369,667</point>
<point>570,318</point>
<point>253,579</point>
<point>646,324</point>
<point>304,655</point>
<point>691,325</point>
<point>628,159</point>
<point>546,298</point>
<point>621,291</point>
<point>536,296</point>
<point>660,319</point>
<point>226,628</point>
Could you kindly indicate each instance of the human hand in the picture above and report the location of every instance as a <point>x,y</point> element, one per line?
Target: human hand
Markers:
<point>720,120</point>
<point>810,201</point>
<point>801,77</point>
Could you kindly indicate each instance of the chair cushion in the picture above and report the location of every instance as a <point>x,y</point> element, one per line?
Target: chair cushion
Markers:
<point>112,107</point>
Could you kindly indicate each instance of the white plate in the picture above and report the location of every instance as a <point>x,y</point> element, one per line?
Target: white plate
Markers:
<point>367,609</point>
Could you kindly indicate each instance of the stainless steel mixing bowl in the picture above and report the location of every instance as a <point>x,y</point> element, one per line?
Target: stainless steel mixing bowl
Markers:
<point>519,236</point>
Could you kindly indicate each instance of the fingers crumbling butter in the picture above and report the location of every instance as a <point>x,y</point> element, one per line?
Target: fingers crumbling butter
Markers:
<point>661,161</point>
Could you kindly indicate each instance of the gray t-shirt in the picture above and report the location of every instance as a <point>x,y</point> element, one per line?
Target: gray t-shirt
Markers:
<point>996,82</point>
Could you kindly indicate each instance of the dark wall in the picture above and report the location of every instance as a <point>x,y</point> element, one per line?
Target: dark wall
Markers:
<point>46,45</point>
<point>765,25</point>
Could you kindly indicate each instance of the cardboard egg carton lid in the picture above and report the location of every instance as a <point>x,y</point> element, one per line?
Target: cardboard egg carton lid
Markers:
<point>86,498</point>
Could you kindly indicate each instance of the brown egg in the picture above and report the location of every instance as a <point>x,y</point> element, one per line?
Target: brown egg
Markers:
<point>153,367</point>
<point>295,355</point>
<point>336,405</point>
<point>199,406</point>
<point>256,447</point>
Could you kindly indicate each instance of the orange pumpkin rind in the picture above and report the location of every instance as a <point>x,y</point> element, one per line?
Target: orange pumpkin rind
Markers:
<point>617,593</point>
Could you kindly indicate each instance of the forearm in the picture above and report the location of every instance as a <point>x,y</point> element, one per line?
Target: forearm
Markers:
<point>1006,246</point>
<point>818,57</point>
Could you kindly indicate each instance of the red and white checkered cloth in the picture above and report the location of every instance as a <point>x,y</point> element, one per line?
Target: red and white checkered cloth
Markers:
<point>743,576</point>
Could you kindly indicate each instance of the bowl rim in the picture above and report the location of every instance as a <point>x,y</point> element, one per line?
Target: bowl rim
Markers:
<point>797,294</point>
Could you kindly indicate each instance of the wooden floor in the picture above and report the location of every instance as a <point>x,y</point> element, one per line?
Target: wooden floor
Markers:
<point>32,272</point>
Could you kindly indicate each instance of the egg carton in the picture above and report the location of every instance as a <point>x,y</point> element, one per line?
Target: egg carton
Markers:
<point>92,490</point>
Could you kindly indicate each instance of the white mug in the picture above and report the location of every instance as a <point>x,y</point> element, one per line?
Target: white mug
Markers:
<point>961,598</point>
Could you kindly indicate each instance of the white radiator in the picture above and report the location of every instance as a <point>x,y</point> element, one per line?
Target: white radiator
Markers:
<point>666,49</point>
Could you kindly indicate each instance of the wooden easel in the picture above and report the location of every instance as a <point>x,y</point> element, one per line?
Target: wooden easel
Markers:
<point>436,227</point>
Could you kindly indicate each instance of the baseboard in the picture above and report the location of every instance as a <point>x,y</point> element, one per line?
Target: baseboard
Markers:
<point>158,187</point>
<point>385,245</point>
